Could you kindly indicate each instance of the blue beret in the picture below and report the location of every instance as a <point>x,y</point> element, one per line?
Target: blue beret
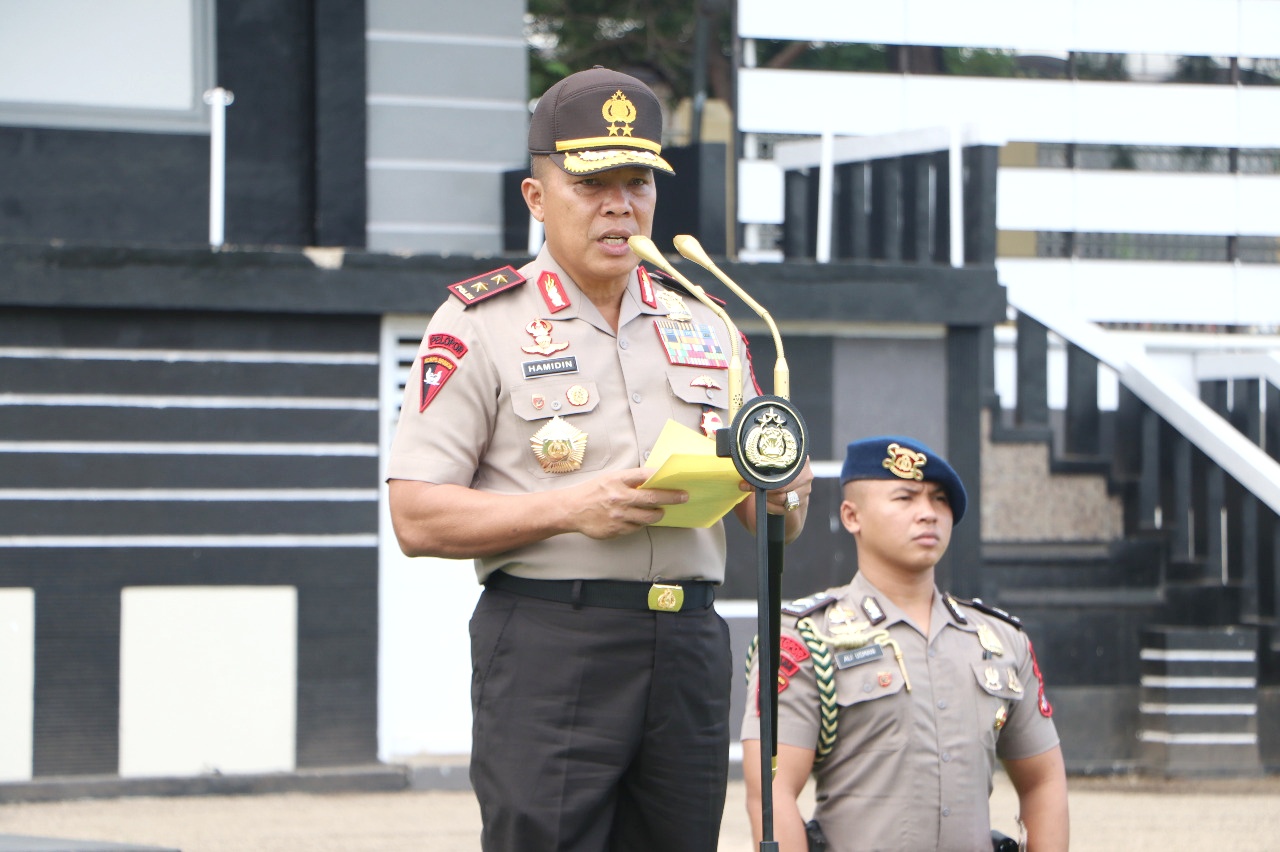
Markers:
<point>899,457</point>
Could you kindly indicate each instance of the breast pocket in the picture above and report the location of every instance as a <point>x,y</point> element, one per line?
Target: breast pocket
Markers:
<point>874,709</point>
<point>999,690</point>
<point>700,399</point>
<point>577,441</point>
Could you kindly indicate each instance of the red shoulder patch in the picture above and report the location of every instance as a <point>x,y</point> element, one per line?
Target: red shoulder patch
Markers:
<point>489,284</point>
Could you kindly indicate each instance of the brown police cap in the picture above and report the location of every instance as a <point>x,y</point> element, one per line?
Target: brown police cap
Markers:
<point>596,120</point>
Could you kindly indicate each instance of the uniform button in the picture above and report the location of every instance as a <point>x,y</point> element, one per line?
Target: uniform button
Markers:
<point>942,705</point>
<point>555,405</point>
<point>866,687</point>
<point>932,652</point>
<point>646,455</point>
<point>623,344</point>
<point>636,397</point>
<point>709,393</point>
<point>946,811</point>
<point>946,757</point>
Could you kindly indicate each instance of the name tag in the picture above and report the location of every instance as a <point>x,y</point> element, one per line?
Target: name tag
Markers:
<point>533,369</point>
<point>858,656</point>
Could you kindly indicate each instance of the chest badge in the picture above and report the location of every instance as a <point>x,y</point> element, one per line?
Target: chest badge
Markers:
<point>1015,685</point>
<point>559,446</point>
<point>993,677</point>
<point>989,640</point>
<point>436,370</point>
<point>674,305</point>
<point>540,329</point>
<point>691,344</point>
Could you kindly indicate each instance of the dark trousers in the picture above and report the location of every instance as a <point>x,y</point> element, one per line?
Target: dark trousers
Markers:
<point>598,730</point>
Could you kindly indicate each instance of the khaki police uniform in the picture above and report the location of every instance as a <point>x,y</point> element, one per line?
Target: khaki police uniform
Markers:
<point>908,770</point>
<point>524,387</point>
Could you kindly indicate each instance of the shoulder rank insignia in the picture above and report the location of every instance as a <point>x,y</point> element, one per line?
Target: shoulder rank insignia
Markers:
<point>871,606</point>
<point>978,604</point>
<point>811,604</point>
<point>950,603</point>
<point>489,284</point>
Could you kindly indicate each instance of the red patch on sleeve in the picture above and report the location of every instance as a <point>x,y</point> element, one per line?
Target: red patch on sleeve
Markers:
<point>794,649</point>
<point>436,370</point>
<point>1046,709</point>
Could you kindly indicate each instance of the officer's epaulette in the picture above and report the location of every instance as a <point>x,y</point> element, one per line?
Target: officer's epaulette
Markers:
<point>491,283</point>
<point>808,605</point>
<point>672,284</point>
<point>978,604</point>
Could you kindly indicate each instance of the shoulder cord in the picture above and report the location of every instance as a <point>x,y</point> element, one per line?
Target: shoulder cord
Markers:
<point>824,673</point>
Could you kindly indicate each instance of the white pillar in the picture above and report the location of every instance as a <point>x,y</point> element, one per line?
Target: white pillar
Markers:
<point>219,99</point>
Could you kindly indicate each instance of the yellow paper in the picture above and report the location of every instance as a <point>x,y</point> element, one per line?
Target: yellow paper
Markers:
<point>687,461</point>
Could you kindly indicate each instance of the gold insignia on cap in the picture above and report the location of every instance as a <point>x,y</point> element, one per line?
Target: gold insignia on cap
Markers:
<point>559,446</point>
<point>674,304</point>
<point>542,342</point>
<point>619,112</point>
<point>904,463</point>
<point>989,640</point>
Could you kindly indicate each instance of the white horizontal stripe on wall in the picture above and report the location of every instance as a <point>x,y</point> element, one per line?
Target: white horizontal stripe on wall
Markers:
<point>288,540</point>
<point>17,682</point>
<point>202,495</point>
<point>208,680</point>
<point>1199,709</point>
<point>195,356</point>
<point>1197,739</point>
<point>397,37</point>
<point>171,401</point>
<point>1198,656</point>
<point>1163,682</point>
<point>188,449</point>
<point>1132,202</point>
<point>1182,27</point>
<point>782,101</point>
<point>1137,291</point>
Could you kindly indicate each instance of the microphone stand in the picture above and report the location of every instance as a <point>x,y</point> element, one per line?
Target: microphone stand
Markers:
<point>768,442</point>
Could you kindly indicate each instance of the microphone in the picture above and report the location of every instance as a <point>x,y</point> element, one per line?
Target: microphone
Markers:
<point>644,247</point>
<point>692,249</point>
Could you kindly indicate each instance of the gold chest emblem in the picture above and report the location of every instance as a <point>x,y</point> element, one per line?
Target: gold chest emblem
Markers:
<point>559,446</point>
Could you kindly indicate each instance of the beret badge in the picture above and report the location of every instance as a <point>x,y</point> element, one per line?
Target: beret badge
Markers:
<point>904,463</point>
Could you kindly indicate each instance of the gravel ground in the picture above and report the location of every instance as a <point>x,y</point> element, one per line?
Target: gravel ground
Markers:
<point>1133,814</point>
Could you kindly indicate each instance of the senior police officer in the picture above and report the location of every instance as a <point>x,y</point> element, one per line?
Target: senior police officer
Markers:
<point>601,672</point>
<point>898,698</point>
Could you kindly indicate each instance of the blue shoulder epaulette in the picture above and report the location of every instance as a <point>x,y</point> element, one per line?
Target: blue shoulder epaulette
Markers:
<point>978,604</point>
<point>807,605</point>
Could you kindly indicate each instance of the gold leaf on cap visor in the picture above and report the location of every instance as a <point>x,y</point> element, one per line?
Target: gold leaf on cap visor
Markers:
<point>594,160</point>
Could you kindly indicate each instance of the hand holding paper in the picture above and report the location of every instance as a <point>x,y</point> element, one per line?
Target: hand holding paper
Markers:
<point>687,460</point>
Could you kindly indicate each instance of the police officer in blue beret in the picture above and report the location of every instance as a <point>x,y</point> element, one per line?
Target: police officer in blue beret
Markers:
<point>899,698</point>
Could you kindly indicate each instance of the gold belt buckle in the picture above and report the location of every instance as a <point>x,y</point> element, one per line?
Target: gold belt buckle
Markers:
<point>665,598</point>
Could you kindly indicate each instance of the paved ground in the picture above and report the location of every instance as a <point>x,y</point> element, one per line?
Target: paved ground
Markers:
<point>1106,814</point>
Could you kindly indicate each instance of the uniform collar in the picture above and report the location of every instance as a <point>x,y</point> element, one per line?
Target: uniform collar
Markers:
<point>581,307</point>
<point>940,616</point>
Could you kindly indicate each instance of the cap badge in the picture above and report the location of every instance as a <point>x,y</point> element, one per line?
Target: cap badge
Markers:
<point>768,444</point>
<point>618,113</point>
<point>542,342</point>
<point>558,446</point>
<point>904,463</point>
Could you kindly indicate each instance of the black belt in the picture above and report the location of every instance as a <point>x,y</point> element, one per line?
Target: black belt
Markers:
<point>613,594</point>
